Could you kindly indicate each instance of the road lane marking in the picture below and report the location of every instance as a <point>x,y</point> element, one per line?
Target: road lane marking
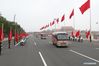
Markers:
<point>84,55</point>
<point>17,43</point>
<point>97,48</point>
<point>89,63</point>
<point>42,59</point>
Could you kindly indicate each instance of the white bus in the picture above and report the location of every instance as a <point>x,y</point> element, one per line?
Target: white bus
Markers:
<point>60,39</point>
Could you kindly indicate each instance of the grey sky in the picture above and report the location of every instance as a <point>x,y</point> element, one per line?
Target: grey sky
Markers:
<point>33,14</point>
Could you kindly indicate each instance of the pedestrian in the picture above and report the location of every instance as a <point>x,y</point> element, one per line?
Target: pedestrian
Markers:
<point>9,44</point>
<point>9,37</point>
<point>79,38</point>
<point>90,39</point>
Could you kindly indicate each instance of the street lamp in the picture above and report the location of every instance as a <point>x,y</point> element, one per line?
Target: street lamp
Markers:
<point>14,29</point>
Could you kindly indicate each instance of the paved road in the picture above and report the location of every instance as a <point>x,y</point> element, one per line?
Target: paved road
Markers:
<point>37,52</point>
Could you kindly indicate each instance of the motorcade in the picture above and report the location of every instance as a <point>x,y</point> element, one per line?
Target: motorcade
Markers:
<point>60,39</point>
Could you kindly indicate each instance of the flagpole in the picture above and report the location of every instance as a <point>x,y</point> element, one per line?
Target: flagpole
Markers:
<point>14,29</point>
<point>64,24</point>
<point>74,17</point>
<point>55,27</point>
<point>74,26</point>
<point>90,21</point>
<point>74,21</point>
<point>2,31</point>
<point>9,39</point>
<point>55,24</point>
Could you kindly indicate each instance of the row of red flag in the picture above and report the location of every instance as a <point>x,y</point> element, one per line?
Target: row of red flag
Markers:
<point>77,34</point>
<point>16,35</point>
<point>83,8</point>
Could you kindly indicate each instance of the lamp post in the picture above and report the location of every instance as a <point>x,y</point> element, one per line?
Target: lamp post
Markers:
<point>14,29</point>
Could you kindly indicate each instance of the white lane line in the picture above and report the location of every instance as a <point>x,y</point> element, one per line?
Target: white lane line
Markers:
<point>97,48</point>
<point>35,43</point>
<point>42,59</point>
<point>84,56</point>
<point>17,43</point>
<point>20,42</point>
<point>89,63</point>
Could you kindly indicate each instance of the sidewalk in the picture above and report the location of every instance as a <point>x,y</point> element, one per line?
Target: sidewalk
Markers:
<point>92,39</point>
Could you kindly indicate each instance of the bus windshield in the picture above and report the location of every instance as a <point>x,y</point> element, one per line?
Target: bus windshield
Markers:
<point>62,37</point>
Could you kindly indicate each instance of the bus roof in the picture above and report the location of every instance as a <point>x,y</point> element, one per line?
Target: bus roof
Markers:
<point>54,33</point>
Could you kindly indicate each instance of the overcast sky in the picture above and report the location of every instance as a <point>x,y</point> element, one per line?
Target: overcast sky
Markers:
<point>33,14</point>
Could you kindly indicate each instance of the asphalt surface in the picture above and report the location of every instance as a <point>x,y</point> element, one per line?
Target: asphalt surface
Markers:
<point>41,52</point>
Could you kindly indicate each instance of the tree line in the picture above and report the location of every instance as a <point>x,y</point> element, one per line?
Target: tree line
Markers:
<point>10,24</point>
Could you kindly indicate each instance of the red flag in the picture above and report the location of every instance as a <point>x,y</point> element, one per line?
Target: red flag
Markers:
<point>1,33</point>
<point>10,35</point>
<point>63,18</point>
<point>16,37</point>
<point>42,28</point>
<point>87,34</point>
<point>52,23</point>
<point>47,26</point>
<point>72,33</point>
<point>85,6</point>
<point>72,14</point>
<point>23,35</point>
<point>77,33</point>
